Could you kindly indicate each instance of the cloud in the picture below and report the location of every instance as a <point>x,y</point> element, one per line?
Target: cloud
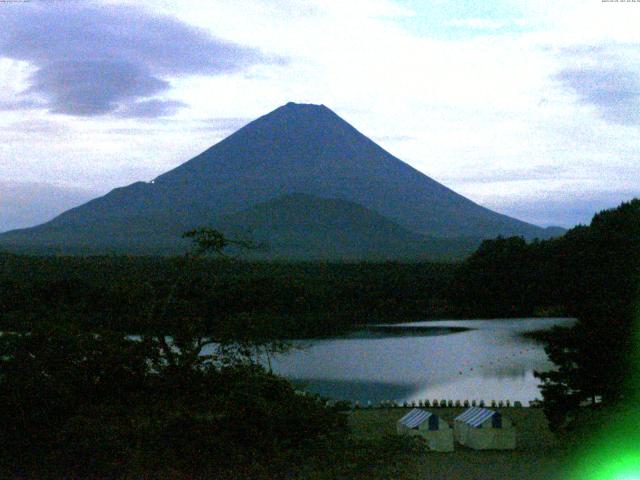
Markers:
<point>501,176</point>
<point>38,127</point>
<point>220,126</point>
<point>151,108</point>
<point>604,77</point>
<point>469,97</point>
<point>20,104</point>
<point>93,60</point>
<point>20,131</point>
<point>486,23</point>
<point>93,87</point>
<point>393,138</point>
<point>24,204</point>
<point>566,209</point>
<point>223,125</point>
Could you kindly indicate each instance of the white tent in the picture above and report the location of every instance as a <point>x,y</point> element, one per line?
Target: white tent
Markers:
<point>484,429</point>
<point>436,432</point>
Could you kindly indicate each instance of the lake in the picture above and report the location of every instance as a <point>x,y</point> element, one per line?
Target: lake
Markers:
<point>448,359</point>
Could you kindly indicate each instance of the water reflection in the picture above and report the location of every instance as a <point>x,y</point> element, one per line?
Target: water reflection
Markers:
<point>390,331</point>
<point>505,374</point>
<point>461,359</point>
<point>374,392</point>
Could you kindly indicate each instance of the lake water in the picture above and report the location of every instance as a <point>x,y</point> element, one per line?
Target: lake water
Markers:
<point>449,359</point>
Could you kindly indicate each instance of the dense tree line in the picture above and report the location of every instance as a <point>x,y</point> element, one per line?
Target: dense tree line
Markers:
<point>591,273</point>
<point>291,299</point>
<point>508,277</point>
<point>598,358</point>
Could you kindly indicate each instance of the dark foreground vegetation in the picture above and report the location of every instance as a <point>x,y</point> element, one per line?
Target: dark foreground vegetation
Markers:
<point>81,399</point>
<point>80,405</point>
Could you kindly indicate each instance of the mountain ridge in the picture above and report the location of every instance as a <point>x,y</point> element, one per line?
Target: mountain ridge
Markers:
<point>297,148</point>
<point>300,226</point>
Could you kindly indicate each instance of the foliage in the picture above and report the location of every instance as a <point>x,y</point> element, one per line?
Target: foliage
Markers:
<point>293,299</point>
<point>209,240</point>
<point>79,403</point>
<point>85,404</point>
<point>508,277</point>
<point>597,358</point>
<point>592,273</point>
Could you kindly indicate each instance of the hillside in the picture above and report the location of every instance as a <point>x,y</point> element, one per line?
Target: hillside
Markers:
<point>299,226</point>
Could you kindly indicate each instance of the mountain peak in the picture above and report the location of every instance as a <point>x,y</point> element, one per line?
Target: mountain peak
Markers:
<point>294,105</point>
<point>303,110</point>
<point>298,147</point>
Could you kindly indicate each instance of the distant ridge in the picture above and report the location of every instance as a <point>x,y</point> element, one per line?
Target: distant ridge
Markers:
<point>297,148</point>
<point>303,227</point>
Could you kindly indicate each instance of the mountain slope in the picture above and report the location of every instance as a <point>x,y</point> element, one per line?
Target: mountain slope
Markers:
<point>299,226</point>
<point>295,148</point>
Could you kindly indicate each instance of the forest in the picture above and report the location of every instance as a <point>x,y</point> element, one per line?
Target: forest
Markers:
<point>82,397</point>
<point>292,299</point>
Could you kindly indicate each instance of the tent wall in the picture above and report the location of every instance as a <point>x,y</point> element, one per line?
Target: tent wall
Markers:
<point>461,432</point>
<point>440,441</point>
<point>491,439</point>
<point>491,434</point>
<point>436,432</point>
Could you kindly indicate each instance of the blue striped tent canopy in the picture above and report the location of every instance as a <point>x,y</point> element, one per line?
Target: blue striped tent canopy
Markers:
<point>417,416</point>
<point>475,416</point>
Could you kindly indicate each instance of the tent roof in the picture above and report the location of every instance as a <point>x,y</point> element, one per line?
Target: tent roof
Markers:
<point>475,416</point>
<point>415,417</point>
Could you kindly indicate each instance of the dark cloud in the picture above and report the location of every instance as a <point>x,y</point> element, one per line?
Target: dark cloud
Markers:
<point>602,80</point>
<point>93,87</point>
<point>21,104</point>
<point>93,60</point>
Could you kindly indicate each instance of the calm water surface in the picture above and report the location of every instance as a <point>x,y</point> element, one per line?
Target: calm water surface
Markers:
<point>448,359</point>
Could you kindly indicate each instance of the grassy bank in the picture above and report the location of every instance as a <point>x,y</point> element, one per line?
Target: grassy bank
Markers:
<point>378,453</point>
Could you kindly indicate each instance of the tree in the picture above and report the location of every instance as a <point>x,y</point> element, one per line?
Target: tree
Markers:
<point>56,373</point>
<point>598,358</point>
<point>242,339</point>
<point>97,404</point>
<point>500,279</point>
<point>207,241</point>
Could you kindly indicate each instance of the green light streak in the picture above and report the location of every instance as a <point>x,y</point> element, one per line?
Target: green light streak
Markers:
<point>613,453</point>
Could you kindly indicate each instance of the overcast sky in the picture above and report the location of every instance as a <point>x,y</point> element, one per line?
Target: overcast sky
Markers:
<point>529,108</point>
